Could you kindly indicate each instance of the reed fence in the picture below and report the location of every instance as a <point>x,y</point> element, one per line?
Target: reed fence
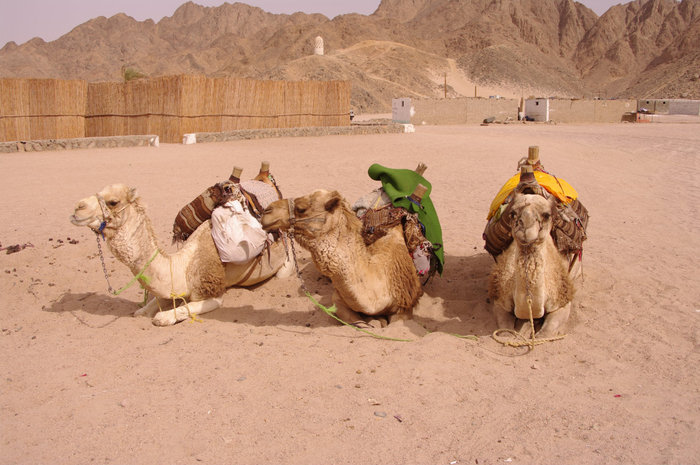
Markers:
<point>42,109</point>
<point>167,106</point>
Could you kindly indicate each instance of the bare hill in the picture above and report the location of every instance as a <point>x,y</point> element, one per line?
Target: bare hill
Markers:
<point>646,48</point>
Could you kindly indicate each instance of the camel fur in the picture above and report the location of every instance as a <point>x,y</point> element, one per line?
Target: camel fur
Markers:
<point>531,274</point>
<point>374,283</point>
<point>194,274</point>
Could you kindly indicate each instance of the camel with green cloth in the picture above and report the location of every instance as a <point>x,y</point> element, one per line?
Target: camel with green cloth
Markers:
<point>189,282</point>
<point>375,280</point>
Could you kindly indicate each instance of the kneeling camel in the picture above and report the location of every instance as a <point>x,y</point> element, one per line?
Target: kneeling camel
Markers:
<point>374,283</point>
<point>194,274</point>
<point>530,279</point>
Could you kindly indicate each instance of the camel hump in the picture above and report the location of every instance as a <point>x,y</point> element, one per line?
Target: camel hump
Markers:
<point>258,195</point>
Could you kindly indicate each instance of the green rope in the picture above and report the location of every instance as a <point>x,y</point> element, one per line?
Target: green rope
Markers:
<point>146,280</point>
<point>462,336</point>
<point>331,312</point>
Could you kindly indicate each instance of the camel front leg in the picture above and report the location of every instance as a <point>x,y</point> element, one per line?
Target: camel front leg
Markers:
<point>183,312</point>
<point>348,315</point>
<point>149,309</point>
<point>554,321</point>
<point>505,318</point>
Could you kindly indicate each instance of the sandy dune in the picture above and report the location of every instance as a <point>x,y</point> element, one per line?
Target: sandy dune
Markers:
<point>270,379</point>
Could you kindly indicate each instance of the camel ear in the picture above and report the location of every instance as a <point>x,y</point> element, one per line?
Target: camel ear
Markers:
<point>333,202</point>
<point>132,195</point>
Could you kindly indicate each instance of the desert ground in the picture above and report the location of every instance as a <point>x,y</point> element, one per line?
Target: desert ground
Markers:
<point>271,379</point>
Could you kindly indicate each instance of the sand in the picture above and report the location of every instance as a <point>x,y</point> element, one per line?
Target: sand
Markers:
<point>269,378</point>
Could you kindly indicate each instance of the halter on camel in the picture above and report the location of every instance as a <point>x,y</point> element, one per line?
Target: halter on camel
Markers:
<point>107,214</point>
<point>107,217</point>
<point>294,220</point>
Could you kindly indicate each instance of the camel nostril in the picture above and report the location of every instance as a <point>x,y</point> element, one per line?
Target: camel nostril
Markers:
<point>81,206</point>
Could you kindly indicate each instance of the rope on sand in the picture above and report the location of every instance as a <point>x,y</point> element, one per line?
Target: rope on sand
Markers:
<point>523,342</point>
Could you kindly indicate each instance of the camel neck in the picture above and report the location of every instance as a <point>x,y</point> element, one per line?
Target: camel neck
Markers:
<point>134,243</point>
<point>531,265</point>
<point>339,253</point>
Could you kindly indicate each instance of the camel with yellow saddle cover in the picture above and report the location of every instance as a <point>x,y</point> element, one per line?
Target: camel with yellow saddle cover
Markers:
<point>535,232</point>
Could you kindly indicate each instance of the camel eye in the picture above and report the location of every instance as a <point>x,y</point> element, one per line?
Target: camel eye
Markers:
<point>546,216</point>
<point>113,203</point>
<point>300,210</point>
<point>512,215</point>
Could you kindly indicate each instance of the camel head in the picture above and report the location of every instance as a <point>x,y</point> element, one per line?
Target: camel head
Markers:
<point>531,218</point>
<point>311,215</point>
<point>104,208</point>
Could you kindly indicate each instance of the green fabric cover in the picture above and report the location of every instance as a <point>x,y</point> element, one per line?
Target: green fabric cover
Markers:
<point>399,184</point>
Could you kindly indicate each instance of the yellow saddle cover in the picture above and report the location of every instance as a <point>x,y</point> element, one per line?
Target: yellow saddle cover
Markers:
<point>555,186</point>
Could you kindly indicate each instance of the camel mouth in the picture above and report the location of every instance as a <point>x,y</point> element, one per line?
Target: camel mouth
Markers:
<point>265,221</point>
<point>527,237</point>
<point>270,223</point>
<point>82,221</point>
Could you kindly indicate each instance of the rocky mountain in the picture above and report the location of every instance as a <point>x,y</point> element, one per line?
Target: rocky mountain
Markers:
<point>645,49</point>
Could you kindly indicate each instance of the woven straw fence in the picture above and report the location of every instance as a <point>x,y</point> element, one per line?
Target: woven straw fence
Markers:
<point>42,109</point>
<point>171,106</point>
<point>167,106</point>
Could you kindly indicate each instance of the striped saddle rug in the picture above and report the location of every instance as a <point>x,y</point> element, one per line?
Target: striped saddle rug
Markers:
<point>568,229</point>
<point>256,195</point>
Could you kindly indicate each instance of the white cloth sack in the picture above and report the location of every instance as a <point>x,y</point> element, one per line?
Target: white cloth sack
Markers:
<point>236,233</point>
<point>421,258</point>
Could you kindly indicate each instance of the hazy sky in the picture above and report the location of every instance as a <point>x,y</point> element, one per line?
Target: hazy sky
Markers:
<point>21,20</point>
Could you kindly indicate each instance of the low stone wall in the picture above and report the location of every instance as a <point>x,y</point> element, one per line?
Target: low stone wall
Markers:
<point>79,143</point>
<point>354,129</point>
<point>467,110</point>
<point>360,128</point>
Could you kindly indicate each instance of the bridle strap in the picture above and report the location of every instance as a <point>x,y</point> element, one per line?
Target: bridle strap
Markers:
<point>293,219</point>
<point>107,214</point>
<point>290,207</point>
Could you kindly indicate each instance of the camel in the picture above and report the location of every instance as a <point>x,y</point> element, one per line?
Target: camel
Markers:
<point>194,274</point>
<point>531,277</point>
<point>374,283</point>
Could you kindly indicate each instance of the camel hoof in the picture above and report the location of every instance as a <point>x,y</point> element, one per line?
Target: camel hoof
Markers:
<point>144,311</point>
<point>361,324</point>
<point>164,319</point>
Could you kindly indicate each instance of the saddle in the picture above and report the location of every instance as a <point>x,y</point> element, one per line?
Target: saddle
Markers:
<point>255,194</point>
<point>569,223</point>
<point>379,215</point>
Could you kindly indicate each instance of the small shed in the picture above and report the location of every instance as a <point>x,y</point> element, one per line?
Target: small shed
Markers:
<point>401,110</point>
<point>537,109</point>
